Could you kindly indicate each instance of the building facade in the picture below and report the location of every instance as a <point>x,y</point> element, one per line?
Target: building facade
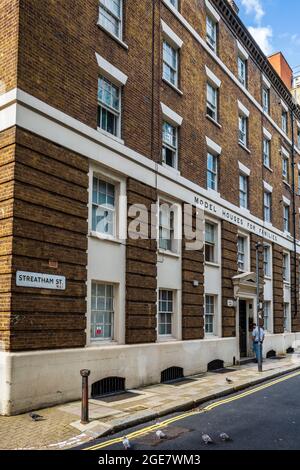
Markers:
<point>109,104</point>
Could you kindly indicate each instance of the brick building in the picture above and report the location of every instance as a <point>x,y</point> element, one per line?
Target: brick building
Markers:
<point>109,103</point>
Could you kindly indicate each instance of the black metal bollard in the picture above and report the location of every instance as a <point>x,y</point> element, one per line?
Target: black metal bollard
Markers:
<point>85,396</point>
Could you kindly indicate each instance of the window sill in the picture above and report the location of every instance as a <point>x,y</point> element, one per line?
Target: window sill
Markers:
<point>170,168</point>
<point>245,210</point>
<point>210,336</point>
<point>268,168</point>
<point>170,254</point>
<point>216,123</point>
<point>212,265</point>
<point>286,183</point>
<point>214,192</point>
<point>166,339</point>
<point>268,225</point>
<point>244,147</point>
<point>102,342</point>
<point>244,85</point>
<point>113,36</point>
<point>175,88</point>
<point>110,136</point>
<point>107,238</point>
<point>212,48</point>
<point>268,278</point>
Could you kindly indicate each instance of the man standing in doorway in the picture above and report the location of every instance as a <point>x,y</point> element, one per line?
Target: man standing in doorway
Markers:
<point>258,336</point>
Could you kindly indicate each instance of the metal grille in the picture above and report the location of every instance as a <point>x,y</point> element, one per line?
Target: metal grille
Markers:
<point>215,365</point>
<point>171,374</point>
<point>271,353</point>
<point>108,386</point>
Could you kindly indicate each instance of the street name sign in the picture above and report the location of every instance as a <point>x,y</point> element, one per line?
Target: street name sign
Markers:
<point>40,280</point>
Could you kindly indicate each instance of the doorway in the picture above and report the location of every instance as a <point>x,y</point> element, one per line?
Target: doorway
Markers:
<point>243,327</point>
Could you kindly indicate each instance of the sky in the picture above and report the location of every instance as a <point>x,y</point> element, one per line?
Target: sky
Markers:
<point>275,25</point>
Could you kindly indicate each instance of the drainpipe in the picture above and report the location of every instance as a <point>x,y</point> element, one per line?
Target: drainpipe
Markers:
<point>260,348</point>
<point>294,215</point>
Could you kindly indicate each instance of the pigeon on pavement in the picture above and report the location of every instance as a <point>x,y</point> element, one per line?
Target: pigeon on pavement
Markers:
<point>126,443</point>
<point>207,439</point>
<point>160,434</point>
<point>228,380</point>
<point>224,437</point>
<point>36,417</point>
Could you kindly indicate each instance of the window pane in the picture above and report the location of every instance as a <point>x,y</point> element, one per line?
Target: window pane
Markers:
<point>102,311</point>
<point>110,16</point>
<point>170,63</point>
<point>165,306</point>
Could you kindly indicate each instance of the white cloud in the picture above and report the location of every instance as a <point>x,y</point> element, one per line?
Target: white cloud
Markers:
<point>263,36</point>
<point>254,6</point>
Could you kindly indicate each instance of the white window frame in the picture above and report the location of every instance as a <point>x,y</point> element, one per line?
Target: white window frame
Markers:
<point>268,207</point>
<point>209,314</point>
<point>286,218</point>
<point>268,315</point>
<point>174,43</point>
<point>94,339</point>
<point>242,78</point>
<point>213,244</point>
<point>286,263</point>
<point>166,227</point>
<point>267,261</point>
<point>110,109</point>
<point>114,210</point>
<point>160,312</point>
<point>212,108</point>
<point>284,120</point>
<point>211,40</point>
<point>103,5</point>
<point>242,191</point>
<point>168,65</point>
<point>243,130</point>
<point>171,226</point>
<point>266,99</point>
<point>287,317</point>
<point>243,257</point>
<point>213,172</point>
<point>267,152</point>
<point>285,168</point>
<point>172,147</point>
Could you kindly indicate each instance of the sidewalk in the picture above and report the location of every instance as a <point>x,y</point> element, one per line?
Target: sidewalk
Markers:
<point>61,428</point>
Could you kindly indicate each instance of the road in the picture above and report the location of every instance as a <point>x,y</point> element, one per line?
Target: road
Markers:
<point>266,417</point>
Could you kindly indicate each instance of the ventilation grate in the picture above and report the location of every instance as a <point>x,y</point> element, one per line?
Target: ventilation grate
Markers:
<point>271,354</point>
<point>171,374</point>
<point>217,364</point>
<point>108,386</point>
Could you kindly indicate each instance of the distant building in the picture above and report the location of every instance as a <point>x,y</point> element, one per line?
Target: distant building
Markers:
<point>296,89</point>
<point>282,67</point>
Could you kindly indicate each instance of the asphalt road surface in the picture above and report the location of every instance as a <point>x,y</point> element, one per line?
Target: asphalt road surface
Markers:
<point>266,417</point>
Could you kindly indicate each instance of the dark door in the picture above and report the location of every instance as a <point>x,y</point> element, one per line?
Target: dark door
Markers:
<point>243,328</point>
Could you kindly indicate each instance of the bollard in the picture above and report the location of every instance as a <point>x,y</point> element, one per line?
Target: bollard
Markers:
<point>85,396</point>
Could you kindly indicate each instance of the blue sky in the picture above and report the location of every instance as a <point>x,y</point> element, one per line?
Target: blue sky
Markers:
<point>275,24</point>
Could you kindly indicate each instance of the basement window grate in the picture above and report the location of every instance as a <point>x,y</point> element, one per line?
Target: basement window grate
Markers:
<point>217,364</point>
<point>108,386</point>
<point>271,354</point>
<point>171,374</point>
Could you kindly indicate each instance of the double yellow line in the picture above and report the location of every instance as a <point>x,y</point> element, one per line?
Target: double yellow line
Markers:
<point>163,424</point>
